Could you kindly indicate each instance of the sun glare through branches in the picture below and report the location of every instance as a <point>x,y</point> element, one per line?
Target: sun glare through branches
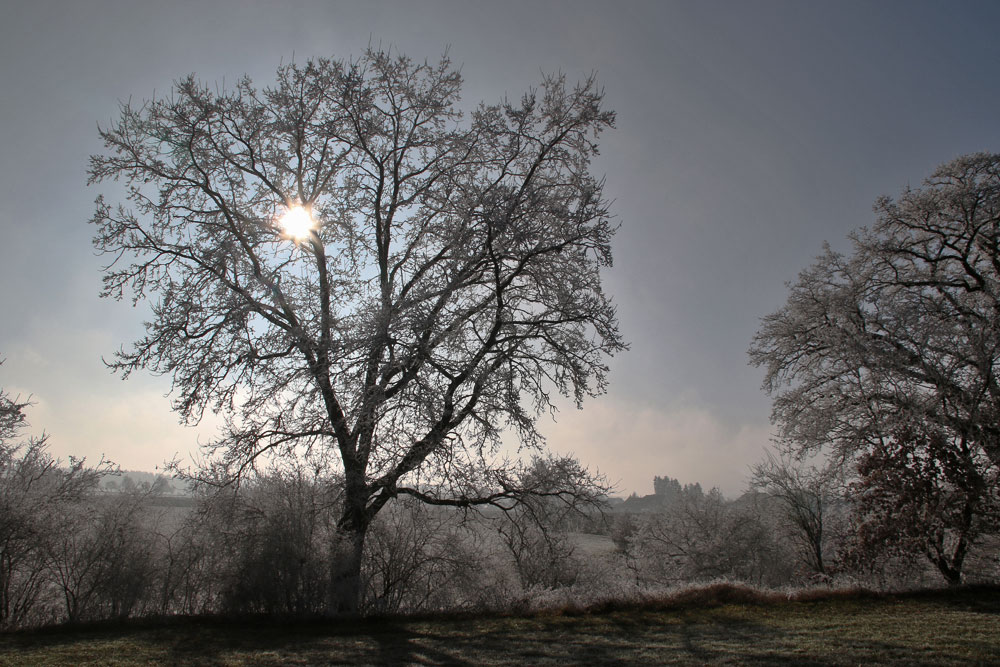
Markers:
<point>297,223</point>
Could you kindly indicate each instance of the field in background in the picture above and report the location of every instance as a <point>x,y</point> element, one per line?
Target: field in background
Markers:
<point>716,624</point>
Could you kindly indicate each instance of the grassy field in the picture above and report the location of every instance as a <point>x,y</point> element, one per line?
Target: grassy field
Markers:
<point>717,626</point>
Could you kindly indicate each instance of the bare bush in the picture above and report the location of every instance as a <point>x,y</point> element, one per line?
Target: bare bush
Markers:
<point>419,558</point>
<point>275,537</point>
<point>188,562</point>
<point>703,537</point>
<point>35,492</point>
<point>542,554</point>
<point>102,561</point>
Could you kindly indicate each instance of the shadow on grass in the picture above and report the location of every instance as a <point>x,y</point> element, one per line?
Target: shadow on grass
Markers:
<point>377,642</point>
<point>718,626</point>
<point>617,638</point>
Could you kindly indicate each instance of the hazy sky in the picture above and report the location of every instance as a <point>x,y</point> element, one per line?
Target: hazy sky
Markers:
<point>748,133</point>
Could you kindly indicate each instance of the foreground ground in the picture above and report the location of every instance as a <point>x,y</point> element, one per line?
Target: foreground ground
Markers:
<point>720,626</point>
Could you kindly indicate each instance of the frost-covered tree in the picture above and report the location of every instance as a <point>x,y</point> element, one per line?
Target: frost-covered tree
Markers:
<point>903,336</point>
<point>808,496</point>
<point>346,268</point>
<point>907,325</point>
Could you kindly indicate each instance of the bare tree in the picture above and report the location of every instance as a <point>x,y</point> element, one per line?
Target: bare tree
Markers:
<point>808,496</point>
<point>343,267</point>
<point>417,557</point>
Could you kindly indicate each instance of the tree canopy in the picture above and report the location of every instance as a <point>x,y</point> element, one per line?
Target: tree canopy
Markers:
<point>909,325</point>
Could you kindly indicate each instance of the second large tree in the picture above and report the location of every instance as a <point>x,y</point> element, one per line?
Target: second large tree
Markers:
<point>893,355</point>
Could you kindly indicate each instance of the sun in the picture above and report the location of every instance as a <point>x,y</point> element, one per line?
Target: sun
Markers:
<point>297,223</point>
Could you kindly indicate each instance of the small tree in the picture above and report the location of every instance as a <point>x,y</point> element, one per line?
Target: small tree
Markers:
<point>533,532</point>
<point>808,496</point>
<point>340,265</point>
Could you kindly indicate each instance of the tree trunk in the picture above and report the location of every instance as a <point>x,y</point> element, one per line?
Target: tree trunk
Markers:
<point>953,575</point>
<point>950,568</point>
<point>816,544</point>
<point>345,589</point>
<point>950,565</point>
<point>348,548</point>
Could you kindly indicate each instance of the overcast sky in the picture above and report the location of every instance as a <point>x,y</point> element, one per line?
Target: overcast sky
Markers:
<point>748,133</point>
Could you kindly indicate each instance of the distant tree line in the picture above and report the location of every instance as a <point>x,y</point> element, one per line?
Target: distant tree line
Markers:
<point>73,550</point>
<point>670,489</point>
